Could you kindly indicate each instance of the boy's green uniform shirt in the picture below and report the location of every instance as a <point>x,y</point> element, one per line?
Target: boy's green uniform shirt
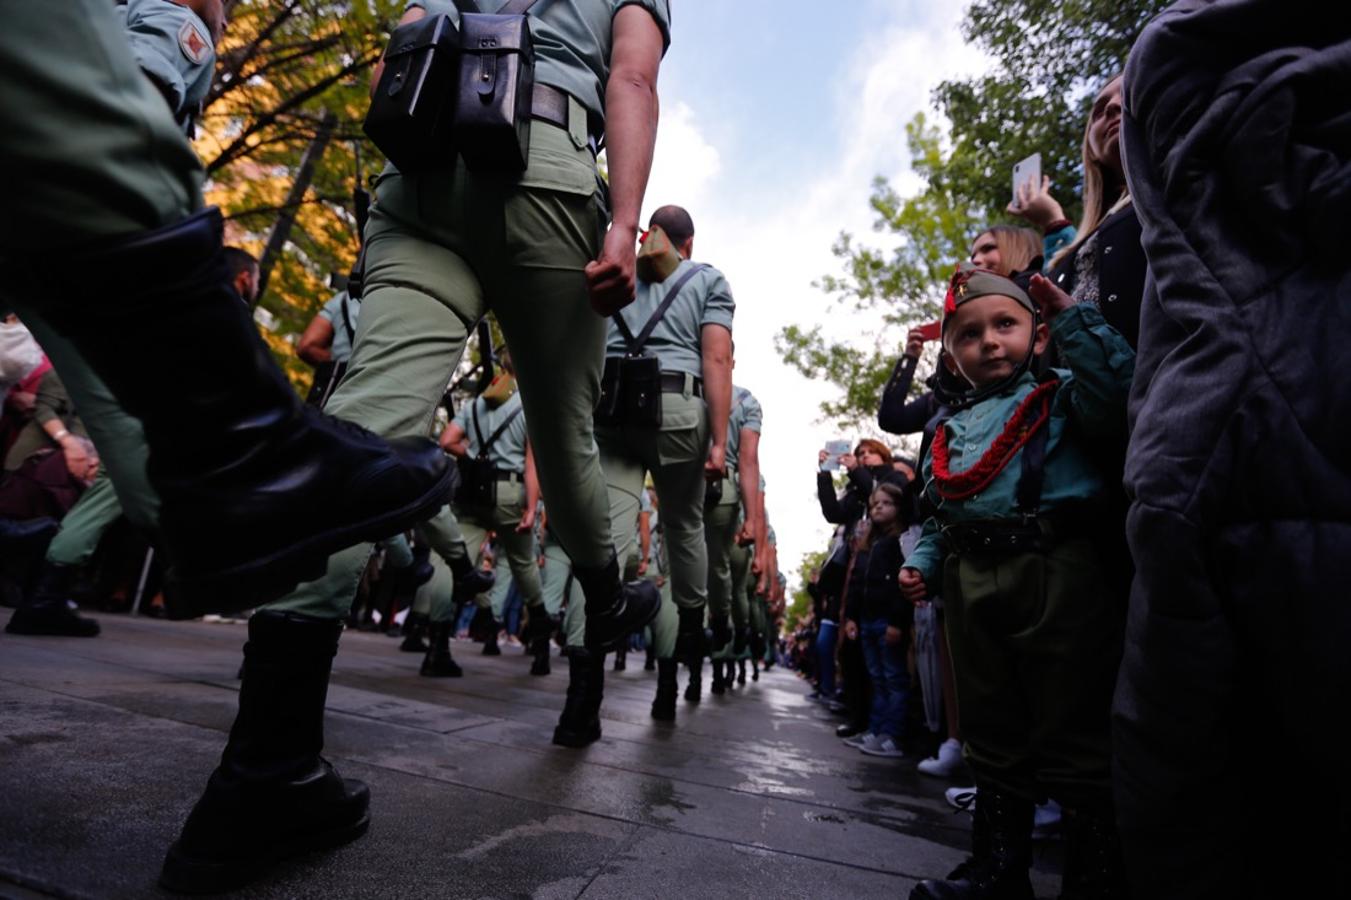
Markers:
<point>1090,402</point>
<point>508,451</point>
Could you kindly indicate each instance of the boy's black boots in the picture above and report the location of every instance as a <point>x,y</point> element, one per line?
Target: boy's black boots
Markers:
<point>272,796</point>
<point>1001,844</point>
<point>257,489</point>
<point>579,723</point>
<point>614,610</point>
<point>664,704</point>
<point>438,663</point>
<point>1094,868</point>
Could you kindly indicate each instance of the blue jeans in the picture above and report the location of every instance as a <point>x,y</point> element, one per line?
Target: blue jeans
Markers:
<point>511,615</point>
<point>890,680</point>
<point>825,657</point>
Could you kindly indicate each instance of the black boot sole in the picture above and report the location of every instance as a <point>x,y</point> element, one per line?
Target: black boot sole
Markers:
<point>441,672</point>
<point>23,625</point>
<point>567,737</point>
<point>264,579</point>
<point>185,875</point>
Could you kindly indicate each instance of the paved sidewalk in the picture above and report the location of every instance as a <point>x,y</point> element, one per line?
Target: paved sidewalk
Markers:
<point>106,743</point>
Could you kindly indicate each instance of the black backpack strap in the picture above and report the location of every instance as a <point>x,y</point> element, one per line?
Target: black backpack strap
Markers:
<point>636,343</point>
<point>347,322</point>
<point>483,445</point>
<point>478,432</point>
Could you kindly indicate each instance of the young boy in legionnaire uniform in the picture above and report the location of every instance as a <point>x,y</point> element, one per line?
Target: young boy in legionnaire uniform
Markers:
<point>1034,624</point>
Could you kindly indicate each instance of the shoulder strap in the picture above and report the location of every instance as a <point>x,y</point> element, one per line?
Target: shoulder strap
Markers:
<point>636,343</point>
<point>347,321</point>
<point>478,432</point>
<point>492,438</point>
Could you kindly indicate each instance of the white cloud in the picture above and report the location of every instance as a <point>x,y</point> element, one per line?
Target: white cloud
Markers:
<point>772,252</point>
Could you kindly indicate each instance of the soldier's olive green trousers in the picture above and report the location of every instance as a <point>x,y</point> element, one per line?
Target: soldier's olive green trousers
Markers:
<point>721,521</point>
<point>518,547</point>
<point>674,454</point>
<point>441,250</point>
<point>1036,642</point>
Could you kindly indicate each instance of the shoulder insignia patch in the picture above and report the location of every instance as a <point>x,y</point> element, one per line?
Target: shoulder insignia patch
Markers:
<point>195,45</point>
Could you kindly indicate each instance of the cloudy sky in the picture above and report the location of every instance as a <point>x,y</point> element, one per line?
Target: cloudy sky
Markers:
<point>775,118</point>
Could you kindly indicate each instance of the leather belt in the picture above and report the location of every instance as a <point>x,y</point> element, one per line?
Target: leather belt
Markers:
<point>674,383</point>
<point>551,105</point>
<point>1031,533</point>
<point>504,475</point>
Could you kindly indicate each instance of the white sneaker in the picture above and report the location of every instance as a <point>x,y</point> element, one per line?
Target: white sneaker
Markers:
<point>859,740</point>
<point>960,797</point>
<point>883,746</point>
<point>947,763</point>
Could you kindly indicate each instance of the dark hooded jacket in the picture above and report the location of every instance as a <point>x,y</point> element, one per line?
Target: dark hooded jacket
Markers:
<point>1237,138</point>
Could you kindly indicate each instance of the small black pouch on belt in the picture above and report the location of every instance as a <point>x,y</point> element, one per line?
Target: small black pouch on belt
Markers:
<point>410,115</point>
<point>478,483</point>
<point>496,87</point>
<point>713,493</point>
<point>630,385</point>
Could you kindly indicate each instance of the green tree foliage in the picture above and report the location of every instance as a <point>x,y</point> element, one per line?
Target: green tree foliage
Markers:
<point>1049,58</point>
<point>799,600</point>
<point>284,66</point>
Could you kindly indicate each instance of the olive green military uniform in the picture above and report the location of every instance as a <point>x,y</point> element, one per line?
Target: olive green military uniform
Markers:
<point>173,51</point>
<point>673,452</point>
<point>443,248</point>
<point>724,518</point>
<point>555,575</point>
<point>507,454</point>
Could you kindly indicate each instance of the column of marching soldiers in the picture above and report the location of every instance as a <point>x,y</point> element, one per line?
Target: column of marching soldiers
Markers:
<point>687,502</point>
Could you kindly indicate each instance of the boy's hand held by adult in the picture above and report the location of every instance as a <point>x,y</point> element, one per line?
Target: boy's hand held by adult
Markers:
<point>912,585</point>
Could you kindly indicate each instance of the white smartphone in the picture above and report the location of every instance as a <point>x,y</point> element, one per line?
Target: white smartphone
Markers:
<point>834,450</point>
<point>1027,171</point>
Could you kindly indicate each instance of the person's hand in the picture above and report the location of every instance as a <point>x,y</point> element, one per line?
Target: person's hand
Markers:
<point>1050,299</point>
<point>642,568</point>
<point>22,402</point>
<point>715,467</point>
<point>1035,205</point>
<point>81,462</point>
<point>822,457</point>
<point>912,585</point>
<point>849,461</point>
<point>661,581</point>
<point>610,279</point>
<point>914,342</point>
<point>527,521</point>
<point>851,629</point>
<point>893,636</point>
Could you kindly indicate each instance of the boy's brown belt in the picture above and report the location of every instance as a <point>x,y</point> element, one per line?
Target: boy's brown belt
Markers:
<point>1030,533</point>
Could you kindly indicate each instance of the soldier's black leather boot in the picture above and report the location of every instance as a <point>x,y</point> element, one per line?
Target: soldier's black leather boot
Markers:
<point>719,686</point>
<point>1001,844</point>
<point>415,629</point>
<point>256,489</point>
<point>438,663</point>
<point>621,660</point>
<point>614,610</point>
<point>691,645</point>
<point>664,704</point>
<point>49,610</point>
<point>650,658</point>
<point>1094,868</point>
<point>272,796</point>
<point>579,723</point>
<point>539,629</point>
<point>470,580</point>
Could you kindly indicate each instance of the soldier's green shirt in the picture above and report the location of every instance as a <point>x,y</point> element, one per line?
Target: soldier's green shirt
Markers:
<point>706,299</point>
<point>572,41</point>
<point>174,47</point>
<point>333,310</point>
<point>1090,403</point>
<point>508,451</point>
<point>746,414</point>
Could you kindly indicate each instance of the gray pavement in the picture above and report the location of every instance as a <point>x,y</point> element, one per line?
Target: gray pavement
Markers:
<point>106,743</point>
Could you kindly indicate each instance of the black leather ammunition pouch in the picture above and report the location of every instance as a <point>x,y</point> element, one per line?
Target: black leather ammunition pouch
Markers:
<point>495,91</point>
<point>630,392</point>
<point>478,483</point>
<point>713,493</point>
<point>410,115</point>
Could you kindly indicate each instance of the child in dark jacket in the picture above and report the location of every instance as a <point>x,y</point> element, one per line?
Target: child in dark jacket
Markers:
<point>877,614</point>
